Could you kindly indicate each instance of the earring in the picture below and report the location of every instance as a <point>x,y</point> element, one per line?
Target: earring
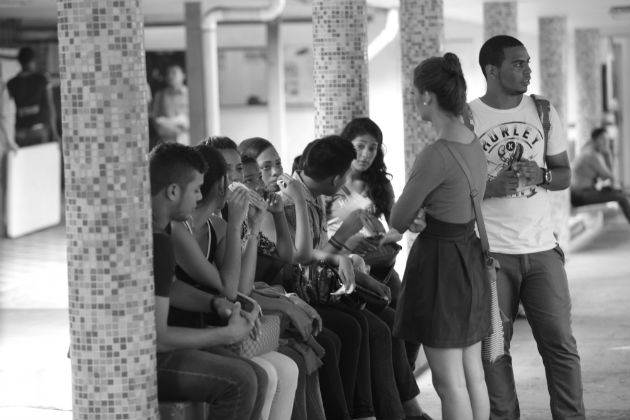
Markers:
<point>425,103</point>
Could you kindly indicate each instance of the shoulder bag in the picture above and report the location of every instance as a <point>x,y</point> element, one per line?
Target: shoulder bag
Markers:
<point>492,346</point>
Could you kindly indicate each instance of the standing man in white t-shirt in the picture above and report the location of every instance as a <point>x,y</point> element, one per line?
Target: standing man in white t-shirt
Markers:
<point>517,214</point>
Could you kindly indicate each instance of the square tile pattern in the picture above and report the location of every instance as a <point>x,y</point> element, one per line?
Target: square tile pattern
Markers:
<point>421,33</point>
<point>109,242</point>
<point>340,64</point>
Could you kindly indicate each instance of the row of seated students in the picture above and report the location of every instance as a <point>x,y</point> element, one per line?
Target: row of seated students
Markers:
<point>336,360</point>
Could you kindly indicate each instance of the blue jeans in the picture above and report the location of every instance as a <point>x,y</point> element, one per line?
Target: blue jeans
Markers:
<point>230,385</point>
<point>539,281</point>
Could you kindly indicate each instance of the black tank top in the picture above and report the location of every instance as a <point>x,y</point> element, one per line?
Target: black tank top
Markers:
<point>182,318</point>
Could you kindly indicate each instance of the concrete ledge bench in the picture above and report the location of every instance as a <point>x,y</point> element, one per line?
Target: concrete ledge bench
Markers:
<point>585,218</point>
<point>183,410</point>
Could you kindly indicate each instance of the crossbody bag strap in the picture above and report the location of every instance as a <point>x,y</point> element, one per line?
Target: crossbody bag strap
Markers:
<point>474,197</point>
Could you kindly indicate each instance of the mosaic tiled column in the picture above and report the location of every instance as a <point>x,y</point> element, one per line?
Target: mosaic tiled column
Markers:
<point>340,63</point>
<point>108,213</point>
<point>9,32</point>
<point>552,42</point>
<point>421,33</point>
<point>588,63</point>
<point>499,18</point>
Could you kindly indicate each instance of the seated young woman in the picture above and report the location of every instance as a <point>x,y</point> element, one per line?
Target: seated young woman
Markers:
<point>367,187</point>
<point>308,401</point>
<point>263,172</point>
<point>208,255</point>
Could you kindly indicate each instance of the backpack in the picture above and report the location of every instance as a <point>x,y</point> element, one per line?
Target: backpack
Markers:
<point>543,107</point>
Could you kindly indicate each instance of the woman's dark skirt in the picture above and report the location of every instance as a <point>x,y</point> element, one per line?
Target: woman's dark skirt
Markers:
<point>445,296</point>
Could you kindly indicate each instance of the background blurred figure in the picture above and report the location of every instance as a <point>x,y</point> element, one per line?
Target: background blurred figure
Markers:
<point>35,115</point>
<point>169,110</point>
<point>593,181</point>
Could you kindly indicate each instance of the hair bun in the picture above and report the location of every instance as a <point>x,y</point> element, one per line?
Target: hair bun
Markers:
<point>452,64</point>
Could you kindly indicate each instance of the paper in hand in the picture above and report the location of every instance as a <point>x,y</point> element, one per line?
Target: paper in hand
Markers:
<point>353,202</point>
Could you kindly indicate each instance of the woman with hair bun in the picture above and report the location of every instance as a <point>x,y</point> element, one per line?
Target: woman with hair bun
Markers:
<point>445,298</point>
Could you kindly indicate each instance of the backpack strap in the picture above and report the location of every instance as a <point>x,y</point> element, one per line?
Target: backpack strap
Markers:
<point>543,107</point>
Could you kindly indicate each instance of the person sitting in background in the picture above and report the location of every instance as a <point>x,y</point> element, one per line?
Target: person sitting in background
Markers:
<point>593,181</point>
<point>35,114</point>
<point>263,171</point>
<point>308,402</point>
<point>208,255</point>
<point>384,384</point>
<point>169,109</point>
<point>232,387</point>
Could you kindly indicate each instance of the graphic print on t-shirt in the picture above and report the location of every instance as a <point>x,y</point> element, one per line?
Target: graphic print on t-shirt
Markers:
<point>510,142</point>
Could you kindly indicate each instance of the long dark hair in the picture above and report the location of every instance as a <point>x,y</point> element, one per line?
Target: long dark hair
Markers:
<point>216,171</point>
<point>376,176</point>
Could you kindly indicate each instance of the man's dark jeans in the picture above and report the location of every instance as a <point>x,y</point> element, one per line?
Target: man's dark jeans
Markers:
<point>539,281</point>
<point>228,384</point>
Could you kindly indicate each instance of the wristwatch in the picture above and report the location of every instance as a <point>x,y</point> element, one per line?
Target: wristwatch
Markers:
<point>546,177</point>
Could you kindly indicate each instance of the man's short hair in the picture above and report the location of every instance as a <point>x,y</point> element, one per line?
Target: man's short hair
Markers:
<point>493,50</point>
<point>173,163</point>
<point>221,143</point>
<point>25,56</point>
<point>326,157</point>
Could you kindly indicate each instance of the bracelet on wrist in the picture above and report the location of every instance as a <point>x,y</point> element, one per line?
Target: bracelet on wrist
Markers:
<point>335,244</point>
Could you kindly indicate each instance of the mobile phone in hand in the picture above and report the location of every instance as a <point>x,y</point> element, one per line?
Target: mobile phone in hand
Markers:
<point>247,304</point>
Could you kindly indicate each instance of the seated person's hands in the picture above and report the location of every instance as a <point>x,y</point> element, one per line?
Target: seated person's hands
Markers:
<point>358,263</point>
<point>346,272</point>
<point>352,224</point>
<point>274,203</point>
<point>290,187</point>
<point>223,307</point>
<point>240,324</point>
<point>361,245</point>
<point>392,236</point>
<point>317,322</point>
<point>375,286</point>
<point>238,204</point>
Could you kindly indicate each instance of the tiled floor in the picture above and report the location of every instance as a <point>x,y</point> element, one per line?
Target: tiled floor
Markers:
<point>35,378</point>
<point>33,272</point>
<point>35,375</point>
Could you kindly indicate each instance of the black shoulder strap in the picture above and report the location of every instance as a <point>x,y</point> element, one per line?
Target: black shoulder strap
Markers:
<point>543,107</point>
<point>474,197</point>
<point>467,118</point>
<point>212,245</point>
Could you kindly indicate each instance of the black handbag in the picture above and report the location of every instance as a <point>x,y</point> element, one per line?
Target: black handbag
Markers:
<point>383,256</point>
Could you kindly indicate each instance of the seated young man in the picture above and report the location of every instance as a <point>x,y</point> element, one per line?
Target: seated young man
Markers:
<point>382,361</point>
<point>592,180</point>
<point>232,386</point>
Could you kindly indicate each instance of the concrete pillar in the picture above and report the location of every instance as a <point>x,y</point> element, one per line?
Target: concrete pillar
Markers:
<point>421,33</point>
<point>588,61</point>
<point>553,47</point>
<point>108,213</point>
<point>340,63</point>
<point>9,32</point>
<point>500,18</point>
<point>276,98</point>
<point>193,14</point>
